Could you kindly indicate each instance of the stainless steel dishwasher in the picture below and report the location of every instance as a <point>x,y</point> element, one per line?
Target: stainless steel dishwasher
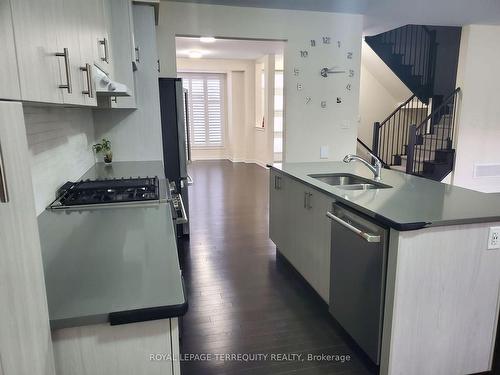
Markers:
<point>357,278</point>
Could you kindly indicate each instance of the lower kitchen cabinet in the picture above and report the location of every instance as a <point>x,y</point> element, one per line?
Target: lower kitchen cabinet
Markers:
<point>146,348</point>
<point>299,228</point>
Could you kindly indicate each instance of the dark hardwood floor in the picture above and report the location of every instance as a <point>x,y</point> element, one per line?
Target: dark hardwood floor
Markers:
<point>241,298</point>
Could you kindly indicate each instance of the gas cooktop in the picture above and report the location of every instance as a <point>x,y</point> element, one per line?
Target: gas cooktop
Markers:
<point>108,192</point>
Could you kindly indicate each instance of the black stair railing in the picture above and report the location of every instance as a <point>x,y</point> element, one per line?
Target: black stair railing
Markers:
<point>410,52</point>
<point>430,138</point>
<point>390,136</point>
<point>365,152</point>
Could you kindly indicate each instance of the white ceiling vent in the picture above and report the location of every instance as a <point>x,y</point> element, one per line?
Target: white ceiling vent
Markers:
<point>487,170</point>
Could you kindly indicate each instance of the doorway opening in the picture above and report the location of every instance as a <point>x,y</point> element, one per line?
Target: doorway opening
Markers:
<point>234,91</point>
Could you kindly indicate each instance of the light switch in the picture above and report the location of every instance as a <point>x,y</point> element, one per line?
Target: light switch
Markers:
<point>324,152</point>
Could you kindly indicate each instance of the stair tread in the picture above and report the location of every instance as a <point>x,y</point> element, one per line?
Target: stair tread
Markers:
<point>405,157</point>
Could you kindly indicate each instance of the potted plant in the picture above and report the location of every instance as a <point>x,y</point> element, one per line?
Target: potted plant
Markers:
<point>105,147</point>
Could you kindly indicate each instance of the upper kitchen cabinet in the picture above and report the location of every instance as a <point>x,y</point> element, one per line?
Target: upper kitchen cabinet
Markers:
<point>54,51</point>
<point>36,28</point>
<point>9,89</point>
<point>97,16</point>
<point>121,32</point>
<point>72,67</point>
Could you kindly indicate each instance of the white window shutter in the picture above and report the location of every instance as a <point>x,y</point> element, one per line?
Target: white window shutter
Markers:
<point>206,108</point>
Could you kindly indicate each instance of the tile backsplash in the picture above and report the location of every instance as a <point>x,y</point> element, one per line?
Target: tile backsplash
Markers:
<point>60,145</point>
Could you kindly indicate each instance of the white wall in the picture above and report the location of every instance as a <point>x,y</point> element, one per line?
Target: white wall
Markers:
<point>60,145</point>
<point>263,136</point>
<point>381,91</point>
<point>478,135</point>
<point>307,127</point>
<point>136,134</point>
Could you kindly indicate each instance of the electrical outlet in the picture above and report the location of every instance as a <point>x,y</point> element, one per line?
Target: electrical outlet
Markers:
<point>494,238</point>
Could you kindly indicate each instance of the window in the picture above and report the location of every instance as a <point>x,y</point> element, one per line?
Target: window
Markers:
<point>206,108</point>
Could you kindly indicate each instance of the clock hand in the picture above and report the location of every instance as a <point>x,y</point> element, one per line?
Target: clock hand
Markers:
<point>334,70</point>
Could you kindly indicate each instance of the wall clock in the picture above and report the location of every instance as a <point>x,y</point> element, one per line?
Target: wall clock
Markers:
<point>338,73</point>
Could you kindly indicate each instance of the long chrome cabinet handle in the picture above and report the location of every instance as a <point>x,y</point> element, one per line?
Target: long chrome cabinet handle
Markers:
<point>88,69</point>
<point>4,194</point>
<point>68,84</point>
<point>367,236</point>
<point>104,43</point>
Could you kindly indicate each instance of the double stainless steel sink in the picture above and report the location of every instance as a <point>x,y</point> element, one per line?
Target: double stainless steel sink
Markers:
<point>349,181</point>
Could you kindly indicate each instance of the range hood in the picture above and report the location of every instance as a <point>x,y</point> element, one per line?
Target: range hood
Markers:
<point>105,86</point>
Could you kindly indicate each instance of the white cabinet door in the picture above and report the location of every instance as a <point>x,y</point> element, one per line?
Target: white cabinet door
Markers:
<point>123,349</point>
<point>9,88</point>
<point>121,33</point>
<point>25,342</point>
<point>277,215</point>
<point>71,26</point>
<point>321,234</point>
<point>36,27</point>
<point>96,14</point>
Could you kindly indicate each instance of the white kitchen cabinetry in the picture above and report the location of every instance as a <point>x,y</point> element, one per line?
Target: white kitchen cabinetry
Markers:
<point>122,349</point>
<point>25,342</point>
<point>299,228</point>
<point>121,32</point>
<point>98,21</point>
<point>72,47</point>
<point>36,27</point>
<point>9,89</point>
<point>277,209</point>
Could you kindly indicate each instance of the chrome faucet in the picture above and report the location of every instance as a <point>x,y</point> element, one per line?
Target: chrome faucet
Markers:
<point>374,168</point>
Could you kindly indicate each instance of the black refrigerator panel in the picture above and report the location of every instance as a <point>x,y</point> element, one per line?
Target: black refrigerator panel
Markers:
<point>173,129</point>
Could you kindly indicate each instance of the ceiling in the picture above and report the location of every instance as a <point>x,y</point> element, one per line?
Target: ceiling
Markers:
<point>382,15</point>
<point>228,48</point>
<point>341,6</point>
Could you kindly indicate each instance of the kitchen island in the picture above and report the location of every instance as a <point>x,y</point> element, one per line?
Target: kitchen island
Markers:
<point>441,284</point>
<point>114,284</point>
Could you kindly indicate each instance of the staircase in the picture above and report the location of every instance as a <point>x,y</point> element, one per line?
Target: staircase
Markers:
<point>419,141</point>
<point>417,137</point>
<point>410,52</point>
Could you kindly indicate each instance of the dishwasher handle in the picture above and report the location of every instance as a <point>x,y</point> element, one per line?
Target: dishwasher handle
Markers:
<point>369,237</point>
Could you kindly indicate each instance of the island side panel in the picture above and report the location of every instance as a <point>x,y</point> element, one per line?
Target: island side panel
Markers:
<point>103,349</point>
<point>444,302</point>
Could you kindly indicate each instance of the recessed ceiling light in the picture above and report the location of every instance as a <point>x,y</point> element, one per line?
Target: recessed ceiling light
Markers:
<point>195,54</point>
<point>207,39</point>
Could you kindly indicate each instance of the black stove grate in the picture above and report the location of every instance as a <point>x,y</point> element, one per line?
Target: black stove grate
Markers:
<point>112,191</point>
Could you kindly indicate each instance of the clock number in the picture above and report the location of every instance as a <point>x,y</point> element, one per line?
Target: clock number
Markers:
<point>339,100</point>
<point>327,40</point>
<point>304,53</point>
<point>313,43</point>
<point>348,87</point>
<point>323,104</point>
<point>338,43</point>
<point>308,99</point>
<point>349,55</point>
<point>351,73</point>
<point>296,72</point>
